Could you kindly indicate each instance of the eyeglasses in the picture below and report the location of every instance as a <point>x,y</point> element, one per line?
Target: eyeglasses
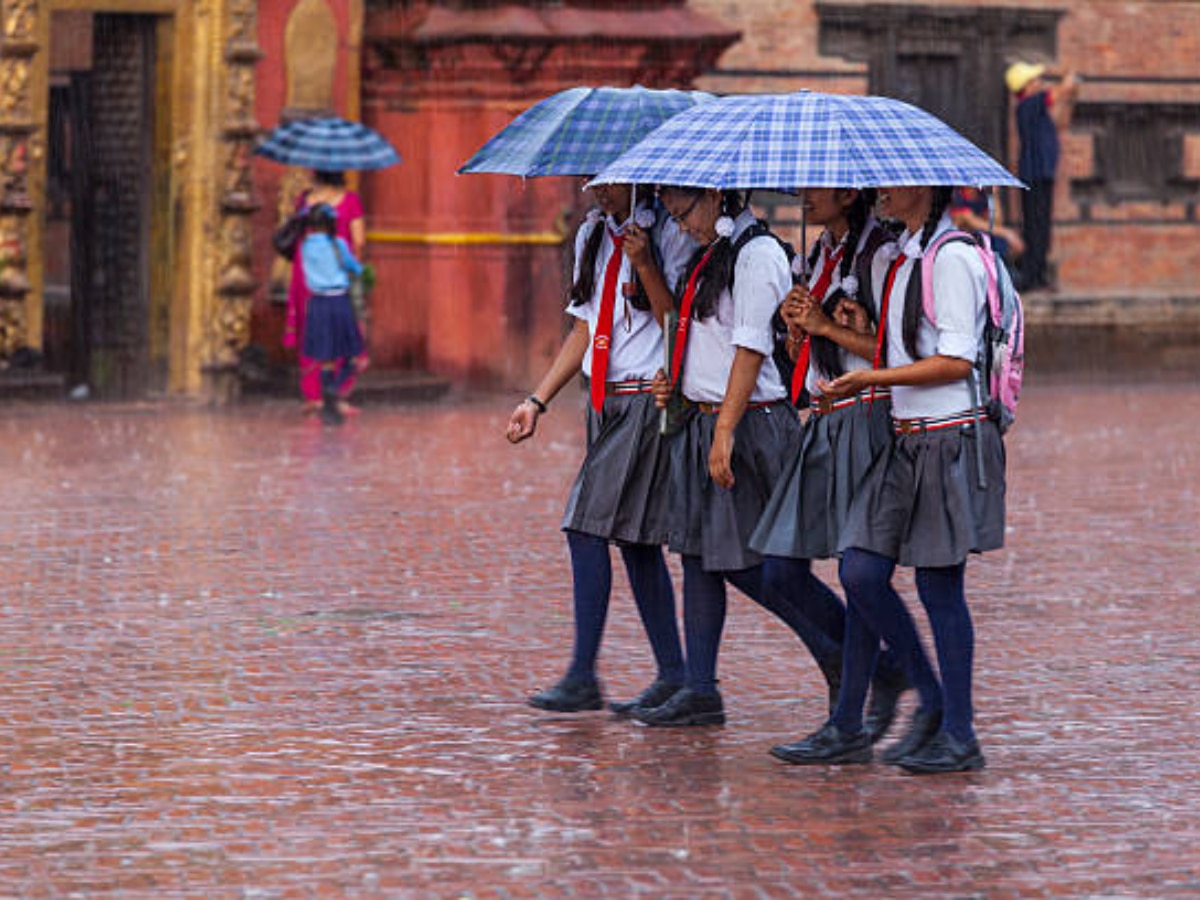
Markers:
<point>679,219</point>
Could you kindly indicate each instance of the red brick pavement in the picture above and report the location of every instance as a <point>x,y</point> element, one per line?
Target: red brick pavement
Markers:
<point>243,656</point>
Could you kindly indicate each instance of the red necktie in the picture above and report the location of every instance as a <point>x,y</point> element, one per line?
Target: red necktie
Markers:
<point>603,337</point>
<point>817,292</point>
<point>883,311</point>
<point>685,313</point>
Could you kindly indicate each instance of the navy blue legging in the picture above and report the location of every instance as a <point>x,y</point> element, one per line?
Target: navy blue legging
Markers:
<point>591,568</point>
<point>876,611</point>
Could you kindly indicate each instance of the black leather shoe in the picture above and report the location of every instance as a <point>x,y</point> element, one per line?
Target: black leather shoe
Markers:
<point>569,696</point>
<point>685,707</point>
<point>829,745</point>
<point>921,729</point>
<point>656,695</point>
<point>886,690</point>
<point>944,753</point>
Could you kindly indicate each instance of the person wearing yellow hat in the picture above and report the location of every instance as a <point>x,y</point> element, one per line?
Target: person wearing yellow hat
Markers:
<point>1041,111</point>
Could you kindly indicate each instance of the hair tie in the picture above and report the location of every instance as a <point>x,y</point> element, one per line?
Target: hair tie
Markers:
<point>723,226</point>
<point>849,286</point>
<point>593,216</point>
<point>644,217</point>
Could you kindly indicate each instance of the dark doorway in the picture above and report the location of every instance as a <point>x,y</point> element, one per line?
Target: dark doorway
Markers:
<point>99,182</point>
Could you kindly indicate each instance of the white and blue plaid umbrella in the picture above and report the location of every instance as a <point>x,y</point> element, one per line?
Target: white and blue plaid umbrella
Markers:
<point>806,139</point>
<point>328,145</point>
<point>578,131</point>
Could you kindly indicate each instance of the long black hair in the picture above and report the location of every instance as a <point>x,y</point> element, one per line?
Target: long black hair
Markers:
<point>718,273</point>
<point>584,287</point>
<point>825,353</point>
<point>912,296</point>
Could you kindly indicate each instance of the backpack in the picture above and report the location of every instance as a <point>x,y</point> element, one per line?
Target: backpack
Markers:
<point>1001,362</point>
<point>783,359</point>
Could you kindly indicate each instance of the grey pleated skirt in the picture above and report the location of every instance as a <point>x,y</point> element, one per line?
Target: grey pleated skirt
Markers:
<point>921,503</point>
<point>805,516</point>
<point>621,491</point>
<point>714,523</point>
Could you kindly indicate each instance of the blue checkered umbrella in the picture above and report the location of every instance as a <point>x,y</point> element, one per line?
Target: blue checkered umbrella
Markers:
<point>806,139</point>
<point>578,131</point>
<point>328,145</point>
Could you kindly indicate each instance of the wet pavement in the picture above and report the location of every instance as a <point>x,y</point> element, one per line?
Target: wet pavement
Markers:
<point>245,656</point>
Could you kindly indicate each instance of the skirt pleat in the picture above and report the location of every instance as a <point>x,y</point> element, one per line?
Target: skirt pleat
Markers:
<point>714,523</point>
<point>621,491</point>
<point>921,504</point>
<point>805,516</point>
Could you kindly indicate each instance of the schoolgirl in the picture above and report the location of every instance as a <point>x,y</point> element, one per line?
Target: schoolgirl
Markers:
<point>831,321</point>
<point>933,497</point>
<point>737,430</point>
<point>331,334</point>
<point>619,495</point>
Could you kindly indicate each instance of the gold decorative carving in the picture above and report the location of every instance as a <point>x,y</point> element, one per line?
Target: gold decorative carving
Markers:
<point>14,165</point>
<point>20,21</point>
<point>310,58</point>
<point>14,89</point>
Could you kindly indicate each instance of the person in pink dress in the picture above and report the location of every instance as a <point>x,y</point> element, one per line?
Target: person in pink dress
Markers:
<point>330,188</point>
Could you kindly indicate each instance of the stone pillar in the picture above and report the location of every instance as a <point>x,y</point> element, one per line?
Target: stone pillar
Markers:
<point>473,269</point>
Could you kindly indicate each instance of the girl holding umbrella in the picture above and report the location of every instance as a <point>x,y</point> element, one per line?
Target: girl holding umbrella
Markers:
<point>922,504</point>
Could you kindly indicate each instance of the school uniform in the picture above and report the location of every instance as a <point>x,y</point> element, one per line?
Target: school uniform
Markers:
<point>620,493</point>
<point>922,504</point>
<point>331,328</point>
<point>708,521</point>
<point>839,442</point>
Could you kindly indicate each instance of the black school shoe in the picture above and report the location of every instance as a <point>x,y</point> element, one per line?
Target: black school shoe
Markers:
<point>656,695</point>
<point>685,707</point>
<point>944,753</point>
<point>569,696</point>
<point>829,745</point>
<point>921,729</point>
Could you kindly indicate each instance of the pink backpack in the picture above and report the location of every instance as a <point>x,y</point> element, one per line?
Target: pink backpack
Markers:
<point>1001,364</point>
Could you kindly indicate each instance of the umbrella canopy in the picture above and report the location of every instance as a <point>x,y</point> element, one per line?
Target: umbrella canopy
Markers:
<point>807,139</point>
<point>578,131</point>
<point>328,145</point>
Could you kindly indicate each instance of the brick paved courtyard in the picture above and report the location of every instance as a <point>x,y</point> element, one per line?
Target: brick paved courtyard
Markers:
<point>245,656</point>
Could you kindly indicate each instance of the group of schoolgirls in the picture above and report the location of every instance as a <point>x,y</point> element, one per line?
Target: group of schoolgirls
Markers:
<point>880,471</point>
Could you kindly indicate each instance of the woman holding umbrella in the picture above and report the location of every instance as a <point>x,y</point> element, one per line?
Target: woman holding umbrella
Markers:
<point>922,504</point>
<point>619,494</point>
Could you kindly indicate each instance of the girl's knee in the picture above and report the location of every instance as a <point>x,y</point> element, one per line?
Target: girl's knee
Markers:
<point>864,573</point>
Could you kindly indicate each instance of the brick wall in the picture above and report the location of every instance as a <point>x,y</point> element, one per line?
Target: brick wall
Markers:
<point>1130,265</point>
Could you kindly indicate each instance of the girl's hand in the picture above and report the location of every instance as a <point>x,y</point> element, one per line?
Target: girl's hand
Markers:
<point>811,318</point>
<point>853,315</point>
<point>720,458</point>
<point>847,385</point>
<point>637,248</point>
<point>792,311</point>
<point>661,388</point>
<point>522,423</point>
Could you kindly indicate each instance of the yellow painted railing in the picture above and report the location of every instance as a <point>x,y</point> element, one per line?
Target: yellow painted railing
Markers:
<point>463,239</point>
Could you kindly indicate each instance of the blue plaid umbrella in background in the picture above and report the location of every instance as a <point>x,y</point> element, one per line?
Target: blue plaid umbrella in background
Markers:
<point>806,139</point>
<point>578,131</point>
<point>328,145</point>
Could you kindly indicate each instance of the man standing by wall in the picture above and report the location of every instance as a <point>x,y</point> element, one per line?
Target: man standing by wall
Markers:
<point>1041,111</point>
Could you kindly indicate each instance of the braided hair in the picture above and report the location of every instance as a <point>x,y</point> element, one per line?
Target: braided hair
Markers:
<point>718,274</point>
<point>825,353</point>
<point>585,285</point>
<point>912,296</point>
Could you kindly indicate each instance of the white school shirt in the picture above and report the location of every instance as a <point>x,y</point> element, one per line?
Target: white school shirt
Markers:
<point>850,361</point>
<point>742,318</point>
<point>636,351</point>
<point>960,295</point>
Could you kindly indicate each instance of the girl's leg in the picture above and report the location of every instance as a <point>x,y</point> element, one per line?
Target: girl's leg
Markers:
<point>942,594</point>
<point>591,571</point>
<point>655,598</point>
<point>699,702</point>
<point>810,608</point>
<point>330,414</point>
<point>704,605</point>
<point>310,380</point>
